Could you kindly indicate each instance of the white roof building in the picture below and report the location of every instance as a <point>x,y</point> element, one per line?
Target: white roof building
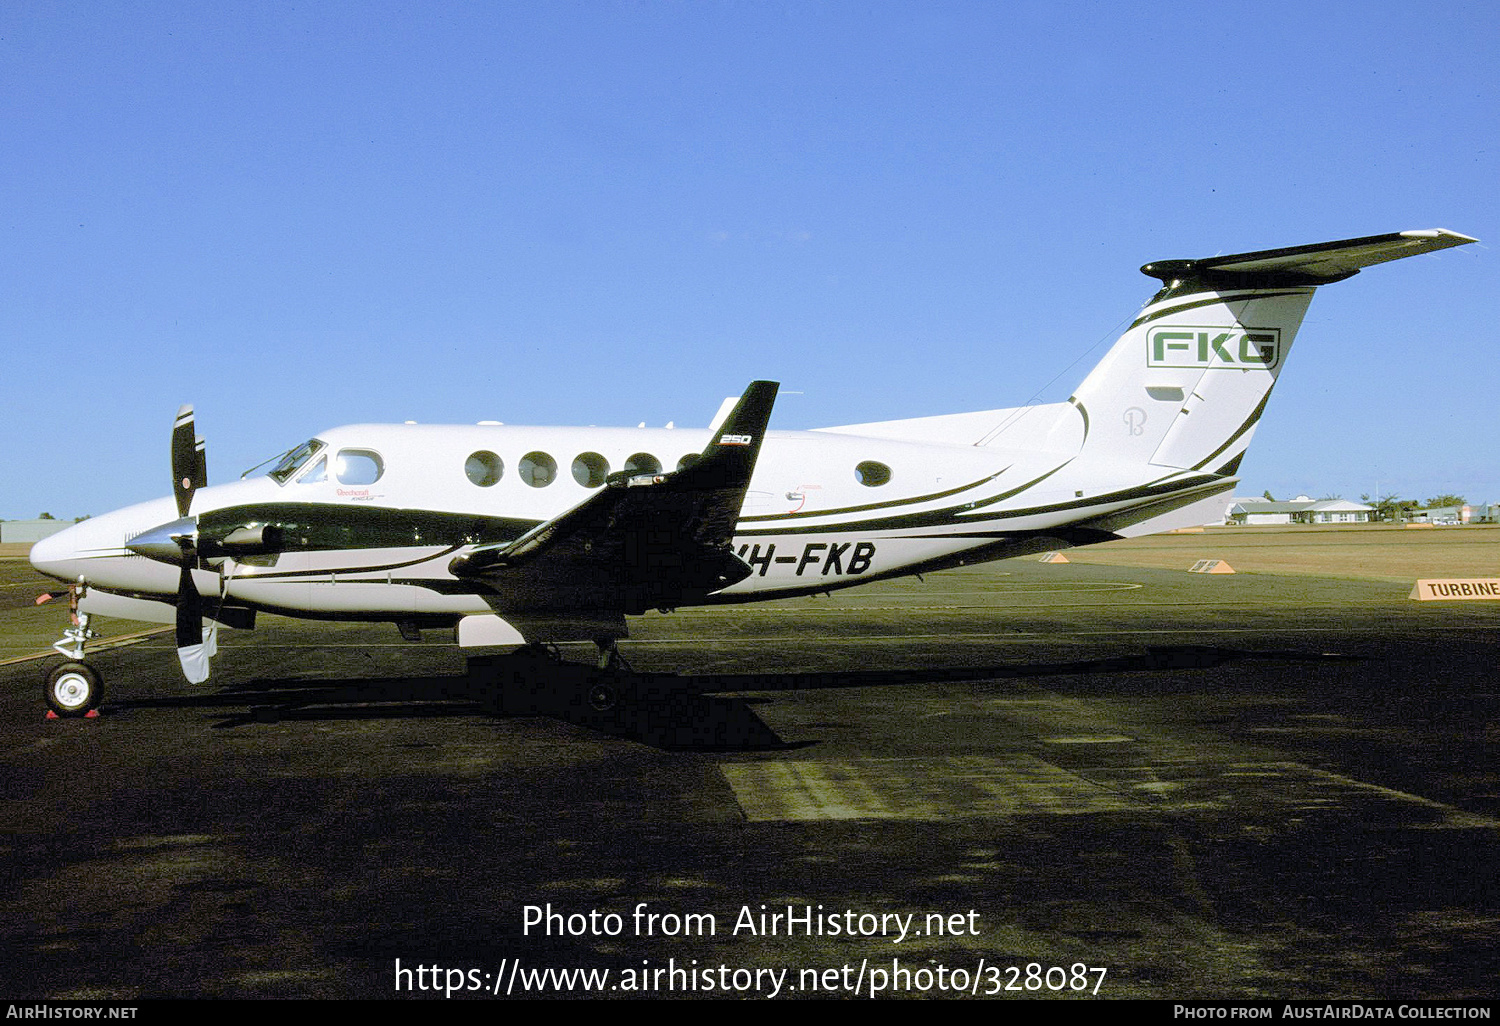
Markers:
<point>1301,510</point>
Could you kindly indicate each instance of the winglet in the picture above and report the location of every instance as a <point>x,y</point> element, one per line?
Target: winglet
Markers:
<point>729,458</point>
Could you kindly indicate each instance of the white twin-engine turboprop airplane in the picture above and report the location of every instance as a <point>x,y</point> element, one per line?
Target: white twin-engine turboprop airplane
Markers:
<point>524,536</point>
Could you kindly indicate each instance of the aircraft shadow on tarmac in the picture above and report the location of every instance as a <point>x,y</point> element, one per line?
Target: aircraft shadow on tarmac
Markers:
<point>664,710</point>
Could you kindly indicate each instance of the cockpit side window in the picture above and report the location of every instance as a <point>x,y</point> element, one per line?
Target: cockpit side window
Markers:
<point>359,466</point>
<point>319,472</point>
<point>294,460</point>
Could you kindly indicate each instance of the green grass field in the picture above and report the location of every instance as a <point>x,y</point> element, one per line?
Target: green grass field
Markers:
<point>1380,553</point>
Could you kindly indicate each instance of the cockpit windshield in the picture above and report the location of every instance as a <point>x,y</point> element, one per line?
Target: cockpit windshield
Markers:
<point>293,460</point>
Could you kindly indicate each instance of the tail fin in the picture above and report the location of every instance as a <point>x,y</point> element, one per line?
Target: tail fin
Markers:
<point>1185,385</point>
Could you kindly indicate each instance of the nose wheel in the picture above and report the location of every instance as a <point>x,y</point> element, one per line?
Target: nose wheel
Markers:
<point>73,689</point>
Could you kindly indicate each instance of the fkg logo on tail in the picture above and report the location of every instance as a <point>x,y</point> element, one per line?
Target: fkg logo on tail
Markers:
<point>1209,347</point>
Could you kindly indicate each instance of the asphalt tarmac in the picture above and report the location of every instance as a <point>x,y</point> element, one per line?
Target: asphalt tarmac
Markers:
<point>996,782</point>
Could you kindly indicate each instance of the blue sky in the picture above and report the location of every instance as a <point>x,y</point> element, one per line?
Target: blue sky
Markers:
<point>302,215</point>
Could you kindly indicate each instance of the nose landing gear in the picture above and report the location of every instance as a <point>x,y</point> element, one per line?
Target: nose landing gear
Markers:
<point>74,688</point>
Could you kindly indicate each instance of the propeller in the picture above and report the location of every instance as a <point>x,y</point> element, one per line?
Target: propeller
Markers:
<point>184,544</point>
<point>189,473</point>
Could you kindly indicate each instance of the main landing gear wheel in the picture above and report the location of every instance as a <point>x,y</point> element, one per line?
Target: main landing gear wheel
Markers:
<point>603,697</point>
<point>73,689</point>
<point>604,694</point>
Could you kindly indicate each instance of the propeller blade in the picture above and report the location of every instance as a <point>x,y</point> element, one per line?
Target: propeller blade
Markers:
<point>200,466</point>
<point>185,460</point>
<point>189,614</point>
<point>195,663</point>
<point>192,652</point>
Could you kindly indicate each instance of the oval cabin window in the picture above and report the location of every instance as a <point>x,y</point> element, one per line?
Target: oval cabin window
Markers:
<point>359,466</point>
<point>643,463</point>
<point>590,469</point>
<point>537,469</point>
<point>484,468</point>
<point>872,474</point>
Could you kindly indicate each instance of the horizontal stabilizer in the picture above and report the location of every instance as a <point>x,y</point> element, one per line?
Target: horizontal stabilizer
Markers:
<point>1317,264</point>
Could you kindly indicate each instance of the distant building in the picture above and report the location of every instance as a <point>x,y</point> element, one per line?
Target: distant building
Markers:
<point>1301,510</point>
<point>1464,514</point>
<point>27,531</point>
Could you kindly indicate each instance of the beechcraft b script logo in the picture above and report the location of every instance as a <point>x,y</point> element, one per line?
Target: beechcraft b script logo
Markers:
<point>1185,346</point>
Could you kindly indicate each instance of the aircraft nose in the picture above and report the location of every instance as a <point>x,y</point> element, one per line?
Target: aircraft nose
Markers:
<point>56,554</point>
<point>95,549</point>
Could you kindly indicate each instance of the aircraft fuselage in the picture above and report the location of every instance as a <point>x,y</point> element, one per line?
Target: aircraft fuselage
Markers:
<point>824,510</point>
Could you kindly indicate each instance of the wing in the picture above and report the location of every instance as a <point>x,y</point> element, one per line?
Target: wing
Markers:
<point>643,541</point>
